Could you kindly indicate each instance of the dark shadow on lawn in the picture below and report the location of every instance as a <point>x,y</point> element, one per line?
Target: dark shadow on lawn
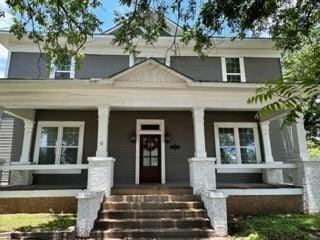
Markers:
<point>59,223</point>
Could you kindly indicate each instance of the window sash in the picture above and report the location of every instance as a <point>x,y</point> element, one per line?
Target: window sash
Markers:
<point>238,146</point>
<point>59,146</point>
<point>225,73</point>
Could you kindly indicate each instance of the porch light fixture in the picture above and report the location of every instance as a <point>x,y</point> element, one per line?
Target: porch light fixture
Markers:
<point>133,137</point>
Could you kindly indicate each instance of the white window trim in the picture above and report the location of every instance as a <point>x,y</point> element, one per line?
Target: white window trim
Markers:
<point>72,70</point>
<point>160,132</point>
<point>60,125</point>
<point>236,125</point>
<point>224,69</point>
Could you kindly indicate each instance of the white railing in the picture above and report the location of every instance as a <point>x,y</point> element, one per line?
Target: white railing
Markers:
<point>274,165</point>
<point>18,167</point>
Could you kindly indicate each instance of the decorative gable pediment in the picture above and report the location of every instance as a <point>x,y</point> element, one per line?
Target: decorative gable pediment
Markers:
<point>151,73</point>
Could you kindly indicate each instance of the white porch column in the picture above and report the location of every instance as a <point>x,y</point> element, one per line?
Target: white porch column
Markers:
<point>27,139</point>
<point>103,125</point>
<point>199,137</point>
<point>265,130</point>
<point>271,176</point>
<point>302,141</point>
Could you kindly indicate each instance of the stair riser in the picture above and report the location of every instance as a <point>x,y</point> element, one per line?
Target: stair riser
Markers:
<point>155,234</point>
<point>154,198</point>
<point>153,224</point>
<point>151,191</point>
<point>138,206</point>
<point>164,214</point>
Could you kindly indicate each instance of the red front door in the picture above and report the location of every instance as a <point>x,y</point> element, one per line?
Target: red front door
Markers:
<point>150,159</point>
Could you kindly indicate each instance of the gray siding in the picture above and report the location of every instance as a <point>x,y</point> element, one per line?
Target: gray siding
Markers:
<point>11,138</point>
<point>177,124</point>
<point>25,66</point>
<point>284,142</point>
<point>102,66</point>
<point>262,69</point>
<point>89,144</point>
<point>207,69</point>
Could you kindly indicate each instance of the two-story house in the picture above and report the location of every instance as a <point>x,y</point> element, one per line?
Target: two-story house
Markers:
<point>159,124</point>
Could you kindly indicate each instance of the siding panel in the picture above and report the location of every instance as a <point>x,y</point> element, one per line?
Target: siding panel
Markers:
<point>177,124</point>
<point>207,69</point>
<point>102,66</point>
<point>25,66</point>
<point>262,69</point>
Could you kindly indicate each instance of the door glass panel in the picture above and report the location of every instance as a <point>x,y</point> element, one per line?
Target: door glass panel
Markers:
<point>150,151</point>
<point>146,161</point>
<point>154,161</point>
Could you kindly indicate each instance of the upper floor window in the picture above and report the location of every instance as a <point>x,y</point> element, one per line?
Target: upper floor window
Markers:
<point>237,143</point>
<point>66,70</point>
<point>233,69</point>
<point>136,60</point>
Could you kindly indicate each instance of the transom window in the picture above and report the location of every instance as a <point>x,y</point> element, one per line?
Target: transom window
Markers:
<point>233,69</point>
<point>59,143</point>
<point>141,59</point>
<point>66,70</point>
<point>237,143</point>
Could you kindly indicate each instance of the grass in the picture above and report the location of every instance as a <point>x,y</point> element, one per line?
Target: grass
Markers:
<point>36,222</point>
<point>278,227</point>
<point>314,149</point>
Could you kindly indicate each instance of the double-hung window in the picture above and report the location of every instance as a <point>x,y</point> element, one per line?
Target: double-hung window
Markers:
<point>65,70</point>
<point>59,143</point>
<point>237,143</point>
<point>233,69</point>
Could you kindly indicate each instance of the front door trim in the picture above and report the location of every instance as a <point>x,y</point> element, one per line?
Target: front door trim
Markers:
<point>160,132</point>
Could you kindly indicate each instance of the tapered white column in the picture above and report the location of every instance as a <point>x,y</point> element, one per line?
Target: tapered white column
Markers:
<point>302,140</point>
<point>199,136</point>
<point>27,139</point>
<point>265,130</point>
<point>103,125</point>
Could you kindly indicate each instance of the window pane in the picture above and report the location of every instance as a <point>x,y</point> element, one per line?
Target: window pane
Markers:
<point>146,161</point>
<point>47,155</point>
<point>234,78</point>
<point>248,155</point>
<point>139,59</point>
<point>70,136</point>
<point>48,136</point>
<point>65,66</point>
<point>228,155</point>
<point>69,155</point>
<point>226,137</point>
<point>62,75</point>
<point>162,60</point>
<point>246,136</point>
<point>233,65</point>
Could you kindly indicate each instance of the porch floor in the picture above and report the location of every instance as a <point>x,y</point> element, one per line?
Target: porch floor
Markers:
<point>149,186</point>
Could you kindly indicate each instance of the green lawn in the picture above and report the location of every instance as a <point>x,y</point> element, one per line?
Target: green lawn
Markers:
<point>278,227</point>
<point>36,222</point>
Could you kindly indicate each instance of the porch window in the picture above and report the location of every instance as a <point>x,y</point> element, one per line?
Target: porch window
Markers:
<point>59,143</point>
<point>237,143</point>
<point>233,69</point>
<point>66,70</point>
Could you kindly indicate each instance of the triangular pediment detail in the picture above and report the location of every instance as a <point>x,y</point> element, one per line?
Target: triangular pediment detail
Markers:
<point>150,72</point>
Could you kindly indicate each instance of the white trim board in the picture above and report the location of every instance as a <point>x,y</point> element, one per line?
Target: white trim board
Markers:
<point>151,132</point>
<point>262,192</point>
<point>39,193</point>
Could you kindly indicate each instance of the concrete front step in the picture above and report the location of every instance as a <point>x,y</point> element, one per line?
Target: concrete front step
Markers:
<point>173,233</point>
<point>152,205</point>
<point>153,198</point>
<point>158,223</point>
<point>173,213</point>
<point>151,191</point>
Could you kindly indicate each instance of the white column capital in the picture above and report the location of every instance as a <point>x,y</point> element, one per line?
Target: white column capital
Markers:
<point>198,112</point>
